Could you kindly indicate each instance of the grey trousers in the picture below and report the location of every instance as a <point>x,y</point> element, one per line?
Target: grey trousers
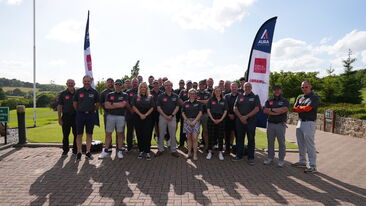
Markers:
<point>273,131</point>
<point>172,126</point>
<point>305,132</point>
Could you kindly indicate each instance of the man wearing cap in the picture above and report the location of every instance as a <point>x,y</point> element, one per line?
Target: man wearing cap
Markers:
<point>203,96</point>
<point>129,113</point>
<point>168,107</point>
<point>245,108</point>
<point>155,92</point>
<point>276,107</point>
<point>66,116</point>
<point>307,107</point>
<point>103,94</point>
<point>183,96</point>
<point>86,103</point>
<point>115,104</point>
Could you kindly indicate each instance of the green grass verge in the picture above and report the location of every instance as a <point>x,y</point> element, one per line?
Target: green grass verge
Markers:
<point>363,91</point>
<point>49,131</point>
<point>44,116</point>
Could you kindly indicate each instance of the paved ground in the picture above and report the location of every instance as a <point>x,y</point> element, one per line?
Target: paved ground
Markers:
<point>37,176</point>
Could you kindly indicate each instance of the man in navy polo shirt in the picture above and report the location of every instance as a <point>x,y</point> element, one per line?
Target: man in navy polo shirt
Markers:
<point>86,103</point>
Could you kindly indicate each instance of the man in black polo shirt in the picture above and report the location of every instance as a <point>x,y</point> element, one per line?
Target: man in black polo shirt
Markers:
<point>168,107</point>
<point>307,107</point>
<point>210,83</point>
<point>242,82</point>
<point>129,113</point>
<point>115,104</point>
<point>178,116</point>
<point>245,108</point>
<point>151,80</point>
<point>276,108</point>
<point>230,131</point>
<point>183,96</point>
<point>203,96</point>
<point>86,103</point>
<point>155,92</point>
<point>227,87</point>
<point>66,116</point>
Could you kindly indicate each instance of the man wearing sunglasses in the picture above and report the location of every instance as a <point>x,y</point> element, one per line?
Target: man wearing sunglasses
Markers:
<point>306,106</point>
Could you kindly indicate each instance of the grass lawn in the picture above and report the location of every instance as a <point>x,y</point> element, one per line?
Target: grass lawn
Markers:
<point>363,91</point>
<point>48,130</point>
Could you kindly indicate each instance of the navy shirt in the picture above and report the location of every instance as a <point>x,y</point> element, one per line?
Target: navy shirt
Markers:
<point>191,109</point>
<point>167,103</point>
<point>246,104</point>
<point>217,106</point>
<point>66,99</point>
<point>143,103</point>
<point>308,100</point>
<point>86,99</point>
<point>230,99</point>
<point>277,102</point>
<point>203,95</point>
<point>114,97</point>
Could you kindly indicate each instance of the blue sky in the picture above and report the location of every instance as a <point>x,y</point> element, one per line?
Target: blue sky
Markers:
<point>190,39</point>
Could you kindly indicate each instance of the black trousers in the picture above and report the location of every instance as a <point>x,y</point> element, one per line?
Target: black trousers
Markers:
<point>143,132</point>
<point>69,122</point>
<point>182,135</point>
<point>229,127</point>
<point>130,129</point>
<point>215,132</point>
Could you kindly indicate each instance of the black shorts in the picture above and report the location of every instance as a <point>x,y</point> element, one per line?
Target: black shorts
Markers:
<point>85,120</point>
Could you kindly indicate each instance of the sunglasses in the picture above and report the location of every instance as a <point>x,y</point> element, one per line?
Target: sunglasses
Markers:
<point>304,87</point>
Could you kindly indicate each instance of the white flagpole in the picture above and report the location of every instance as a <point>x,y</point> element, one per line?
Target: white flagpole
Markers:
<point>34,63</point>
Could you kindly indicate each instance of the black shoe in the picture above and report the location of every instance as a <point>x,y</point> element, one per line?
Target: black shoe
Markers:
<point>89,156</point>
<point>141,155</point>
<point>310,170</point>
<point>74,152</point>
<point>236,158</point>
<point>148,157</point>
<point>64,154</point>
<point>78,156</point>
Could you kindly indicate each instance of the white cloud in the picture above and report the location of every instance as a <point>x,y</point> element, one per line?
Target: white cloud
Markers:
<point>14,2</point>
<point>221,14</point>
<point>70,31</point>
<point>57,62</point>
<point>363,56</point>
<point>19,69</point>
<point>355,40</point>
<point>325,40</point>
<point>290,48</point>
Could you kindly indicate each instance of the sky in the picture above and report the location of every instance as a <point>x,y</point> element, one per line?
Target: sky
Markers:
<point>189,39</point>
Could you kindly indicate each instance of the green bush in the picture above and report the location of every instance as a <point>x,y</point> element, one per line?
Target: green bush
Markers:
<point>13,102</point>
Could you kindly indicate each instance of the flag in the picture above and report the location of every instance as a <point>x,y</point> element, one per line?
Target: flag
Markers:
<point>259,65</point>
<point>88,63</point>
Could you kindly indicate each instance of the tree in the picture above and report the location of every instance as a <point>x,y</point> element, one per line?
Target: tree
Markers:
<point>101,85</point>
<point>135,70</point>
<point>350,87</point>
<point>2,94</point>
<point>18,92</point>
<point>44,100</point>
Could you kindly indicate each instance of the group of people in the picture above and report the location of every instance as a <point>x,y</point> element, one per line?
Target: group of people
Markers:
<point>225,112</point>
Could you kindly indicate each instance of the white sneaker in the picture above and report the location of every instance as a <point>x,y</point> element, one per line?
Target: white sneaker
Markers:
<point>281,163</point>
<point>221,157</point>
<point>209,156</point>
<point>120,155</point>
<point>103,155</point>
<point>267,161</point>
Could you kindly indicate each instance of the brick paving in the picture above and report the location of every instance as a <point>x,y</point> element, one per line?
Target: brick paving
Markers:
<point>38,176</point>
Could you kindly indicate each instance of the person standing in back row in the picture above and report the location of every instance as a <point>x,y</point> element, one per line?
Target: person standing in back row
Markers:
<point>307,107</point>
<point>86,103</point>
<point>276,108</point>
<point>66,116</point>
<point>130,114</point>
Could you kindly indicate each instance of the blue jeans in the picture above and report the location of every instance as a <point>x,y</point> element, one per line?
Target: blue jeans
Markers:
<point>242,130</point>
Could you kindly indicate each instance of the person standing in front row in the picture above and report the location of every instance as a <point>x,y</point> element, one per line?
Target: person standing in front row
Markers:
<point>276,108</point>
<point>307,107</point>
<point>216,109</point>
<point>115,107</point>
<point>191,113</point>
<point>245,108</point>
<point>143,106</point>
<point>168,106</point>
<point>230,131</point>
<point>203,96</point>
<point>155,92</point>
<point>66,116</point>
<point>86,103</point>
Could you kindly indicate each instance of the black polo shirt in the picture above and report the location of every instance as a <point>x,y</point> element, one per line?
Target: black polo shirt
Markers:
<point>167,103</point>
<point>277,102</point>
<point>183,95</point>
<point>216,106</point>
<point>131,93</point>
<point>65,99</point>
<point>162,88</point>
<point>155,95</point>
<point>241,91</point>
<point>114,97</point>
<point>230,99</point>
<point>308,100</point>
<point>203,95</point>
<point>225,92</point>
<point>191,109</point>
<point>209,90</point>
<point>246,104</point>
<point>143,103</point>
<point>86,99</point>
<point>177,91</point>
<point>103,96</point>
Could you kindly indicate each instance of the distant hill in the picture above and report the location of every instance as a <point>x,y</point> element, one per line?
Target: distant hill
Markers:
<point>4,82</point>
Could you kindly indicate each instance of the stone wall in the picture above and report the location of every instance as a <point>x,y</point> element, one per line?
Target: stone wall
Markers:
<point>343,125</point>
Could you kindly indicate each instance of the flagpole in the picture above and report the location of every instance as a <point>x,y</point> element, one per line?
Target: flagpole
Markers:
<point>34,64</point>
